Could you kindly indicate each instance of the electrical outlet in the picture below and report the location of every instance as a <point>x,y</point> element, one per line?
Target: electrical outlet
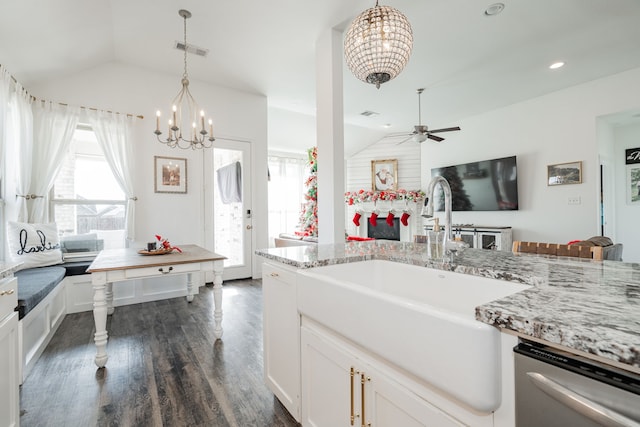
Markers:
<point>574,200</point>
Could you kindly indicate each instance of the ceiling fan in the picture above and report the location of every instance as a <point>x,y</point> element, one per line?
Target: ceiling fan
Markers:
<point>421,132</point>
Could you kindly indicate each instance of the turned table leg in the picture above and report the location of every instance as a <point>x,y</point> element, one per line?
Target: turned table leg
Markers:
<point>217,298</point>
<point>109,297</point>
<point>190,292</point>
<point>100,317</point>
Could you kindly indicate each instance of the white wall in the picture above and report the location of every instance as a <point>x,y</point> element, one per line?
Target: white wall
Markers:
<point>556,128</point>
<point>626,214</point>
<point>127,89</point>
<point>408,155</point>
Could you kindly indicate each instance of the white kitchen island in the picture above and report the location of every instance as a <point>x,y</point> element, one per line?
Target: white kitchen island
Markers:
<point>563,296</point>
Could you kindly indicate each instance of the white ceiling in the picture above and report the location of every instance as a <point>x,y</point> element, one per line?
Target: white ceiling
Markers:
<point>468,62</point>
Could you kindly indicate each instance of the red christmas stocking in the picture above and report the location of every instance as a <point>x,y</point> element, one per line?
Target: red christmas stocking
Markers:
<point>373,219</point>
<point>390,218</point>
<point>403,219</point>
<point>356,219</point>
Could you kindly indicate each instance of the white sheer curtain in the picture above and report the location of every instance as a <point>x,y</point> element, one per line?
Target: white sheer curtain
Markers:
<point>5,98</point>
<point>113,133</point>
<point>53,128</point>
<point>286,194</point>
<point>22,136</point>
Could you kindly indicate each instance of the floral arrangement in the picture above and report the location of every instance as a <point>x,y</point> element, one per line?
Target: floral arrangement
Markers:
<point>166,245</point>
<point>361,196</point>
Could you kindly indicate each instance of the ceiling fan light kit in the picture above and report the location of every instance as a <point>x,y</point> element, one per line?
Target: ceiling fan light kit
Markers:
<point>378,44</point>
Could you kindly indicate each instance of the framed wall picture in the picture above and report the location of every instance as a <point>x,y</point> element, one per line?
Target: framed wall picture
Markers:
<point>384,174</point>
<point>632,156</point>
<point>633,184</point>
<point>564,173</point>
<point>170,174</point>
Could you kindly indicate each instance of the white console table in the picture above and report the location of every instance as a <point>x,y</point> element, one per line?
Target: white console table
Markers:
<point>482,237</point>
<point>117,265</point>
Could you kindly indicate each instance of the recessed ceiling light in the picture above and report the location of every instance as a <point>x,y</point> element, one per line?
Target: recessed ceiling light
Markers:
<point>387,125</point>
<point>556,65</point>
<point>494,9</point>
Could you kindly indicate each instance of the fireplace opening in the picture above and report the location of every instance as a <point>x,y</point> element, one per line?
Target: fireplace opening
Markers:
<point>382,229</point>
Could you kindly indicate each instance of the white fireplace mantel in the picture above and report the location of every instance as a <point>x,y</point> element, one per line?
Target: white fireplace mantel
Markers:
<point>398,207</point>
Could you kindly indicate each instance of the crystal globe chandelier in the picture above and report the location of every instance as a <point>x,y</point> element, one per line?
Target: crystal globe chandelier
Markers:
<point>378,44</point>
<point>186,128</point>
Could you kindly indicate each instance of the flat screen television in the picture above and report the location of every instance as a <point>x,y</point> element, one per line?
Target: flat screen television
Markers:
<point>489,185</point>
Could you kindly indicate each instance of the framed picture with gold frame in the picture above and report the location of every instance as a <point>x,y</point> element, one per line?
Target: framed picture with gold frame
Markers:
<point>384,174</point>
<point>170,175</point>
<point>564,173</point>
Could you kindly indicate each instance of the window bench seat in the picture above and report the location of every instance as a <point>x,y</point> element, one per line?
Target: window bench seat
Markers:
<point>41,308</point>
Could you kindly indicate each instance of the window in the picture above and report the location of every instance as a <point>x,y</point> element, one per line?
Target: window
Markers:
<point>286,194</point>
<point>87,203</point>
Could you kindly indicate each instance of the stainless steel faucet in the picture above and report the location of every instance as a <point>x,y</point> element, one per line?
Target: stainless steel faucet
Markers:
<point>449,244</point>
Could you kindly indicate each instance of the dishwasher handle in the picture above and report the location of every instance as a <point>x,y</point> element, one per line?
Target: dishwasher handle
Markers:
<point>581,404</point>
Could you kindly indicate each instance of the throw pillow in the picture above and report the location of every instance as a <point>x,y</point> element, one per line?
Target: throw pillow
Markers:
<point>35,245</point>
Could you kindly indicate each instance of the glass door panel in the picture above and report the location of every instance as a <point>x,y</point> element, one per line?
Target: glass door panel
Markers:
<point>232,208</point>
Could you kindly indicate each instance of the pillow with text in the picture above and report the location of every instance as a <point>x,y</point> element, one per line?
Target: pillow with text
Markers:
<point>34,245</point>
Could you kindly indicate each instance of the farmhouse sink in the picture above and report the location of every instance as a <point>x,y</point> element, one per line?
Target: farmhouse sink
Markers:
<point>419,319</point>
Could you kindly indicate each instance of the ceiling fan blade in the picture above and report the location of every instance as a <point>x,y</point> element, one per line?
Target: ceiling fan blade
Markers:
<point>404,140</point>
<point>444,130</point>
<point>397,135</point>
<point>435,138</point>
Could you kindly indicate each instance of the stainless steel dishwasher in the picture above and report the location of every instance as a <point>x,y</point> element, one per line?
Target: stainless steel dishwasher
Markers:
<point>555,388</point>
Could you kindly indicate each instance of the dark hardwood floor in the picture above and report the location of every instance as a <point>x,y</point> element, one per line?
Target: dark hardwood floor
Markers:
<point>164,368</point>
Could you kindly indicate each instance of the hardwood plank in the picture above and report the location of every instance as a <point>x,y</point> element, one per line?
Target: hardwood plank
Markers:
<point>165,367</point>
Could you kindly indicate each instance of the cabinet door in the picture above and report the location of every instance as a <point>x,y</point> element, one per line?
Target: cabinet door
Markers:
<point>389,404</point>
<point>9,380</point>
<point>469,237</point>
<point>489,240</point>
<point>281,336</point>
<point>330,392</point>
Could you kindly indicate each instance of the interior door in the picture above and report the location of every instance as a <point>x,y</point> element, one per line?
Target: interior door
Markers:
<point>232,224</point>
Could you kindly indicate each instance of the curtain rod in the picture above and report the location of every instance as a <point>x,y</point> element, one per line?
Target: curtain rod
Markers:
<point>13,79</point>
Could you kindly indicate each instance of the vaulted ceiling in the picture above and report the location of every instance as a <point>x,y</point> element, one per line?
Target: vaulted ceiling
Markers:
<point>467,61</point>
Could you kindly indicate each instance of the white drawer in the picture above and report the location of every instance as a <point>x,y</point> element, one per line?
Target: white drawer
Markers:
<point>278,272</point>
<point>135,273</point>
<point>8,296</point>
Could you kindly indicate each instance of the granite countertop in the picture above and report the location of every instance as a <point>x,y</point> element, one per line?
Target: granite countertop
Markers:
<point>8,268</point>
<point>589,306</point>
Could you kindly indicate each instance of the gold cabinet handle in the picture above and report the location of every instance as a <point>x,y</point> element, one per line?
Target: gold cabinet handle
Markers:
<point>363,381</point>
<point>353,373</point>
<point>274,275</point>
<point>9,292</point>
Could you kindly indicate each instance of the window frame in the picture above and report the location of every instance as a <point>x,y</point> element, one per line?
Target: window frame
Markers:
<point>54,201</point>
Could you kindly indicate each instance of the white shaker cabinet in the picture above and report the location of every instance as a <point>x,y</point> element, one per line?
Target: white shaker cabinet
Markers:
<point>9,355</point>
<point>342,387</point>
<point>281,335</point>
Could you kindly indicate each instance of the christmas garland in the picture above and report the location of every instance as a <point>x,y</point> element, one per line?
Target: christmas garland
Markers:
<point>361,196</point>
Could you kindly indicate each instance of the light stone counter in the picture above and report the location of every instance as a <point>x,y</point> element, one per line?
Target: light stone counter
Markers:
<point>592,307</point>
<point>8,268</point>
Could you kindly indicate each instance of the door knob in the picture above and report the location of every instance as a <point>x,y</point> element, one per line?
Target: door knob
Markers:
<point>249,227</point>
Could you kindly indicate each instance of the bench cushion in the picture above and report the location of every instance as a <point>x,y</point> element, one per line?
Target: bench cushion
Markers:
<point>34,284</point>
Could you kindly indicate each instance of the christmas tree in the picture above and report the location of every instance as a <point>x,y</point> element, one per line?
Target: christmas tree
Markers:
<point>309,214</point>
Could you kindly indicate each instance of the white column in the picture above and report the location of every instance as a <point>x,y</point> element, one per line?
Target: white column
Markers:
<point>330,137</point>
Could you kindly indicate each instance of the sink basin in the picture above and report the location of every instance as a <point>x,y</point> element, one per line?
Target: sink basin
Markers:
<point>420,319</point>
